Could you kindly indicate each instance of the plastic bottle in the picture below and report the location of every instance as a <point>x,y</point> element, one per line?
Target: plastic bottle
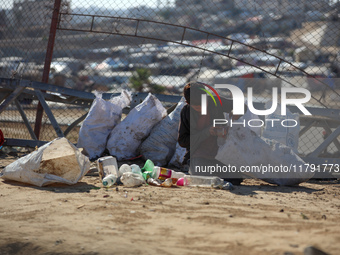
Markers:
<point>107,166</point>
<point>167,183</point>
<point>200,181</point>
<point>125,168</point>
<point>147,170</point>
<point>136,169</point>
<point>150,170</point>
<point>164,173</point>
<point>153,182</point>
<point>109,180</point>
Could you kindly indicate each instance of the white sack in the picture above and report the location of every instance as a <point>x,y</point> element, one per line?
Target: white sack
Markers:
<point>58,161</point>
<point>102,118</point>
<point>276,131</point>
<point>160,145</point>
<point>127,136</point>
<point>244,148</point>
<point>178,156</point>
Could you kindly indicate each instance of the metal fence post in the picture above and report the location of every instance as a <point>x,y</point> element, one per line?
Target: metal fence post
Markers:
<point>48,60</point>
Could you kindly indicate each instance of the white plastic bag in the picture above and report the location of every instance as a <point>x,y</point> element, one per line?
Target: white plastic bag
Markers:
<point>276,131</point>
<point>58,161</point>
<point>178,156</point>
<point>102,118</point>
<point>262,158</point>
<point>161,143</point>
<point>132,180</point>
<point>254,124</point>
<point>127,136</point>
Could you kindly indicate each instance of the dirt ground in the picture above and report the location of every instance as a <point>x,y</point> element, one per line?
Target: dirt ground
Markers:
<point>254,218</point>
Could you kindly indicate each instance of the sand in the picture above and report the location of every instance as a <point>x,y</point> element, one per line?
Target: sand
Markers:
<point>254,218</point>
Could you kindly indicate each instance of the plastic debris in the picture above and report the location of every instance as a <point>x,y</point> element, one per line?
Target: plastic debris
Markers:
<point>130,179</point>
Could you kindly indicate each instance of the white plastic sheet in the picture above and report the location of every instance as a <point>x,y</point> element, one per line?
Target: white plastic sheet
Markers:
<point>274,130</point>
<point>102,118</point>
<point>127,136</point>
<point>243,148</point>
<point>58,161</point>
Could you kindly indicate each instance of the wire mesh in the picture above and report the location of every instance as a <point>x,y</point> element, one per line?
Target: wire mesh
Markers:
<point>108,45</point>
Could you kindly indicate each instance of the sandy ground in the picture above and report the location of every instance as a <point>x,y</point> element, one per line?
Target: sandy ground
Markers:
<point>254,218</point>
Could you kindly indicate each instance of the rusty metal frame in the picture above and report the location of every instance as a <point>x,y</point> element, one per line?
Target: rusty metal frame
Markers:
<point>47,65</point>
<point>181,42</point>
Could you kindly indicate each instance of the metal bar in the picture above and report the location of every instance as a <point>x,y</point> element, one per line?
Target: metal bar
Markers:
<point>201,31</point>
<point>137,28</point>
<point>7,83</point>
<point>231,45</point>
<point>183,34</point>
<point>23,143</point>
<point>86,98</point>
<point>320,161</point>
<point>329,131</point>
<point>92,23</point>
<point>325,143</point>
<point>59,19</point>
<point>49,113</point>
<point>218,53</point>
<point>4,96</point>
<point>11,98</point>
<point>74,101</point>
<point>317,111</point>
<point>24,118</point>
<point>307,127</point>
<point>48,60</point>
<point>277,68</point>
<point>333,124</point>
<point>75,123</point>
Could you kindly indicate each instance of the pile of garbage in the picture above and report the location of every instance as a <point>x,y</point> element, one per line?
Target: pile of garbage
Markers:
<point>147,130</point>
<point>134,176</point>
<point>59,161</point>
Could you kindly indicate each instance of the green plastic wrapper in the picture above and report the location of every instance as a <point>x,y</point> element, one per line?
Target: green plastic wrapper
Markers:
<point>147,170</point>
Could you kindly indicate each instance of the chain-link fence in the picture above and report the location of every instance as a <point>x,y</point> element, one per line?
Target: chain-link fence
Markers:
<point>157,46</point>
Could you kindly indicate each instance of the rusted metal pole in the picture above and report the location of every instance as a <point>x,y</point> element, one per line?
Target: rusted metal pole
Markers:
<point>48,60</point>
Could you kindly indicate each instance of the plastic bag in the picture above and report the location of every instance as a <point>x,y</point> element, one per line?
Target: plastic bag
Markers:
<point>255,121</point>
<point>132,180</point>
<point>276,131</point>
<point>262,158</point>
<point>161,143</point>
<point>102,118</point>
<point>244,120</point>
<point>127,136</point>
<point>58,161</point>
<point>178,156</point>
